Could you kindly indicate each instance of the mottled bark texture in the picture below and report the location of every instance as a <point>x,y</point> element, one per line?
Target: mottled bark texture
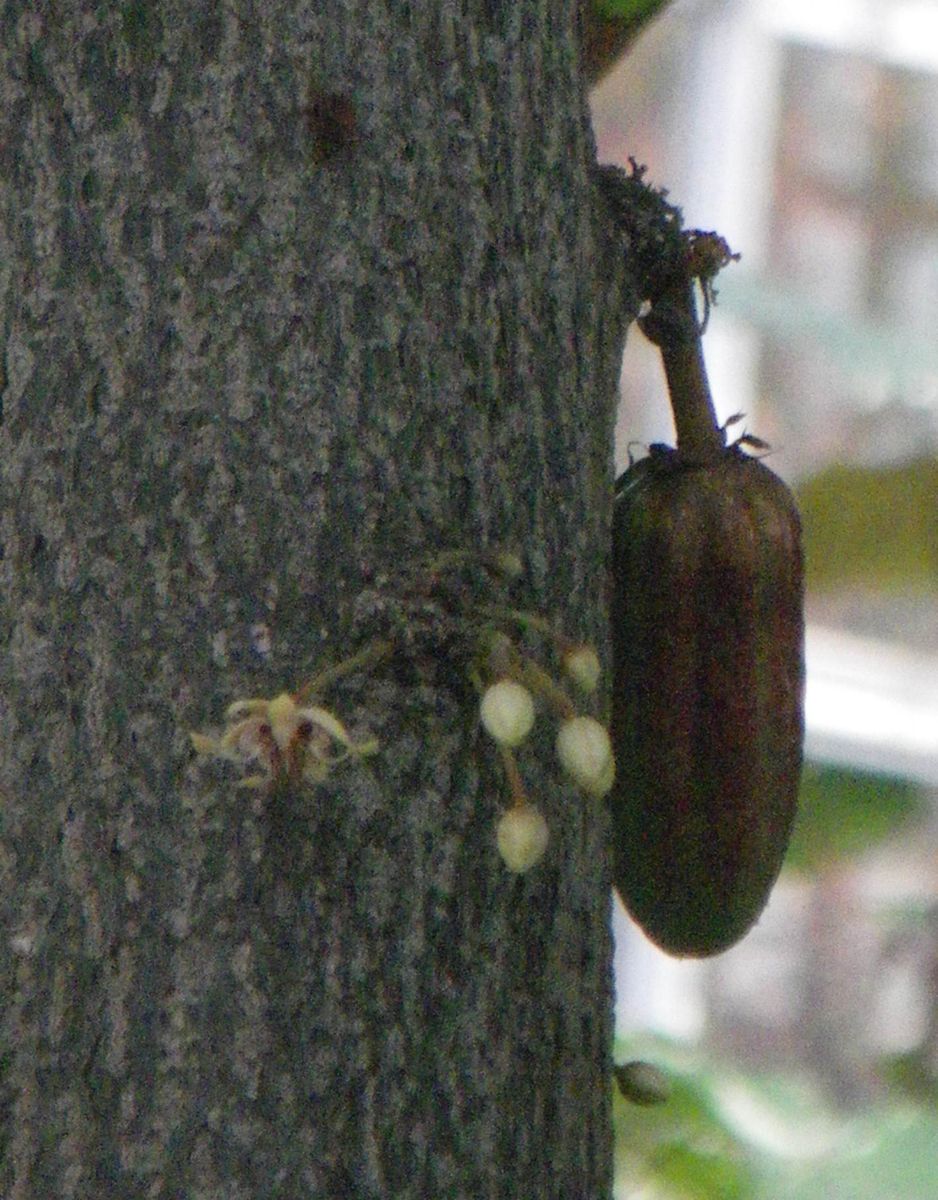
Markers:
<point>291,293</point>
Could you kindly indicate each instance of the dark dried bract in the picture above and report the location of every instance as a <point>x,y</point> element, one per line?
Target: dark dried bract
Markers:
<point>331,120</point>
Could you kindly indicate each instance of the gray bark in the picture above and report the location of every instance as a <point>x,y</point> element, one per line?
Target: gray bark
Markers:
<point>245,372</point>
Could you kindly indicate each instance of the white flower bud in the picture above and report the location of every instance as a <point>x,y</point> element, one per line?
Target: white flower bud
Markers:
<point>509,563</point>
<point>582,667</point>
<point>507,712</point>
<point>521,836</point>
<point>585,753</point>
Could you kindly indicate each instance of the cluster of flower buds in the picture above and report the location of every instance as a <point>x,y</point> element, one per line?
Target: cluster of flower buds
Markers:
<point>507,712</point>
<point>290,740</point>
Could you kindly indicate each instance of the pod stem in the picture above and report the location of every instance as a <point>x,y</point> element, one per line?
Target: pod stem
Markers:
<point>673,326</point>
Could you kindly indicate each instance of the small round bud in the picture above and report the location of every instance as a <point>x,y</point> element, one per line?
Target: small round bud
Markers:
<point>509,564</point>
<point>642,1083</point>
<point>585,752</point>
<point>521,836</point>
<point>507,712</point>
<point>582,667</point>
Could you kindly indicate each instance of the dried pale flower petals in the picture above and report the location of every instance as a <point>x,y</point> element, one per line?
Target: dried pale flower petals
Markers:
<point>286,739</point>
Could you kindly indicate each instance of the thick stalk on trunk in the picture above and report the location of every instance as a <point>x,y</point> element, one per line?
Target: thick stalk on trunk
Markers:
<point>291,294</point>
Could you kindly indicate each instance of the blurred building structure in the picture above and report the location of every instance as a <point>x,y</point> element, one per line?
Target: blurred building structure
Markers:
<point>806,133</point>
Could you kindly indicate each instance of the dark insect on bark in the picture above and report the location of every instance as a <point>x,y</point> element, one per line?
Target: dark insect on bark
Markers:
<point>642,1083</point>
<point>330,117</point>
<point>708,663</point>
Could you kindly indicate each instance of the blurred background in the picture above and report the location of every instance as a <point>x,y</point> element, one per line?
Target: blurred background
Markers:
<point>805,1061</point>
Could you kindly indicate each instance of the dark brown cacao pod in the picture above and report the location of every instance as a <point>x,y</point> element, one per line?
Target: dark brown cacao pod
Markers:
<point>707,719</point>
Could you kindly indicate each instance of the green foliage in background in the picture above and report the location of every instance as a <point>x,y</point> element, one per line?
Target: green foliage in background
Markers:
<point>912,1074</point>
<point>843,812</point>
<point>790,1145</point>
<point>609,29</point>
<point>629,10</point>
<point>873,527</point>
<point>887,1152</point>
<point>682,1149</point>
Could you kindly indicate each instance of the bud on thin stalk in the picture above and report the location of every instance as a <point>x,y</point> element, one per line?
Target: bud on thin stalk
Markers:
<point>581,664</point>
<point>522,836</point>
<point>585,752</point>
<point>507,712</point>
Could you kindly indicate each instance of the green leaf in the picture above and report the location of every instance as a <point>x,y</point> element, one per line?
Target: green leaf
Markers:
<point>842,813</point>
<point>911,1074</point>
<point>629,10</point>
<point>891,1153</point>
<point>873,527</point>
<point>694,1148</point>
<point>682,1149</point>
<point>690,1174</point>
<point>610,28</point>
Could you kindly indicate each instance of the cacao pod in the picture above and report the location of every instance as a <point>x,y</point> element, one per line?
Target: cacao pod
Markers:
<point>707,717</point>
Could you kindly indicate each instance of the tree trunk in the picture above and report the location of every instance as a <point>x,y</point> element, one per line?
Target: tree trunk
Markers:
<point>293,295</point>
